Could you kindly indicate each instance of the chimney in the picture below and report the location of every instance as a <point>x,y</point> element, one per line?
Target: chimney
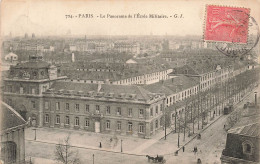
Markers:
<point>72,57</point>
<point>99,87</point>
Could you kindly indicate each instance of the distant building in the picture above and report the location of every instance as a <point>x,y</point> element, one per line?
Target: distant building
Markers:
<point>12,135</point>
<point>242,145</point>
<point>133,48</point>
<point>11,57</point>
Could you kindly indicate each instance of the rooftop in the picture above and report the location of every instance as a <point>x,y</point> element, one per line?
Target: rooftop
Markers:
<point>174,85</point>
<point>251,130</point>
<point>9,117</point>
<point>102,90</point>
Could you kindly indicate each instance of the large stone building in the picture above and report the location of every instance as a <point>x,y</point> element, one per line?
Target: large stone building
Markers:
<point>12,135</point>
<point>35,89</point>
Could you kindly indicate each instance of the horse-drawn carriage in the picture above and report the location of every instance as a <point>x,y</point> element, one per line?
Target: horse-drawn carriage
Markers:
<point>157,159</point>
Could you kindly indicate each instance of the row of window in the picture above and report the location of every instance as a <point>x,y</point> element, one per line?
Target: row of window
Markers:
<point>97,110</point>
<point>67,120</point>
<point>87,123</point>
<point>129,126</point>
<point>32,90</point>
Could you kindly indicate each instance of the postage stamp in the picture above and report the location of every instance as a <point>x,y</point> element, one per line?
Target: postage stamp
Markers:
<point>226,24</point>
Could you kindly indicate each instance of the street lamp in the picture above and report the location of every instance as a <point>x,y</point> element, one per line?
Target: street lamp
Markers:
<point>34,133</point>
<point>121,146</point>
<point>255,98</point>
<point>93,158</point>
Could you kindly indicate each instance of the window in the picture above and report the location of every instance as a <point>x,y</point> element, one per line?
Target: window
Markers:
<point>77,107</point>
<point>87,108</point>
<point>108,124</point>
<point>108,110</point>
<point>57,105</point>
<point>247,147</point>
<point>46,105</point>
<point>47,118</point>
<point>33,104</point>
<point>33,90</point>
<point>141,128</point>
<point>156,124</point>
<point>141,112</point>
<point>9,88</point>
<point>130,126</point>
<point>118,125</point>
<point>87,122</point>
<point>151,111</point>
<point>161,107</point>
<point>130,112</point>
<point>67,120</point>
<point>156,110</point>
<point>67,106</point>
<point>21,90</point>
<point>97,109</point>
<point>57,119</point>
<point>118,111</point>
<point>76,121</point>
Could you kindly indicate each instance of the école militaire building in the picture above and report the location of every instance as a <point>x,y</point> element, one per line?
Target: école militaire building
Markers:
<point>37,91</point>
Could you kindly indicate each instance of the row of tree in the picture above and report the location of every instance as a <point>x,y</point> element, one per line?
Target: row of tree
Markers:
<point>210,102</point>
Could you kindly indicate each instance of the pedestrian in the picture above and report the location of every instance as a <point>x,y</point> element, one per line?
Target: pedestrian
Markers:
<point>183,148</point>
<point>100,145</point>
<point>224,126</point>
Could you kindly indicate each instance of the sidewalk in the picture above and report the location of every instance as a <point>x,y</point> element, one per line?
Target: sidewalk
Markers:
<point>170,145</point>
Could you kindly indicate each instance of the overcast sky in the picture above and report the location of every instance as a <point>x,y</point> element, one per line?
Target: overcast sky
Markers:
<point>48,17</point>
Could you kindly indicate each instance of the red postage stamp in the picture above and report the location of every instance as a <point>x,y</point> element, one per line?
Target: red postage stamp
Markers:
<point>226,24</point>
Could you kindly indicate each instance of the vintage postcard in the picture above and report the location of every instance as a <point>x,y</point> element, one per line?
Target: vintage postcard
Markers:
<point>129,82</point>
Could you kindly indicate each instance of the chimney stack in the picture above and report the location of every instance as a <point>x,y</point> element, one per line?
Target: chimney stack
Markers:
<point>72,57</point>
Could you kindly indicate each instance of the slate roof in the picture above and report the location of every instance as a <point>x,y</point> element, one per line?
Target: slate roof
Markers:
<point>30,64</point>
<point>9,117</point>
<point>118,71</point>
<point>105,89</point>
<point>173,85</point>
<point>251,130</point>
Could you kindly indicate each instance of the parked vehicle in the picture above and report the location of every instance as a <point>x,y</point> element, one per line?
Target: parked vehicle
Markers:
<point>228,109</point>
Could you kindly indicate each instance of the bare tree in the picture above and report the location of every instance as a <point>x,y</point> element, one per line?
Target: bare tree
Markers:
<point>64,154</point>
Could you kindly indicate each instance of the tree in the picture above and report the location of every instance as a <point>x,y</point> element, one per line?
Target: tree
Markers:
<point>64,154</point>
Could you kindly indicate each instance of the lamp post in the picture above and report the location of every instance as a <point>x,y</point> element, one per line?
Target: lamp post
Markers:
<point>93,159</point>
<point>255,98</point>
<point>179,134</point>
<point>34,133</point>
<point>121,146</point>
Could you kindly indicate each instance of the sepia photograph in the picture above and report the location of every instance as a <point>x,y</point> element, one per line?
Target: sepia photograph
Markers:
<point>129,82</point>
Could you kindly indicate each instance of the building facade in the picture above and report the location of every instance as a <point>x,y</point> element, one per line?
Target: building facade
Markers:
<point>37,91</point>
<point>12,135</point>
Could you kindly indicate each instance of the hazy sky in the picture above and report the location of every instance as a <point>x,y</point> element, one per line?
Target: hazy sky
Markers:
<point>47,17</point>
